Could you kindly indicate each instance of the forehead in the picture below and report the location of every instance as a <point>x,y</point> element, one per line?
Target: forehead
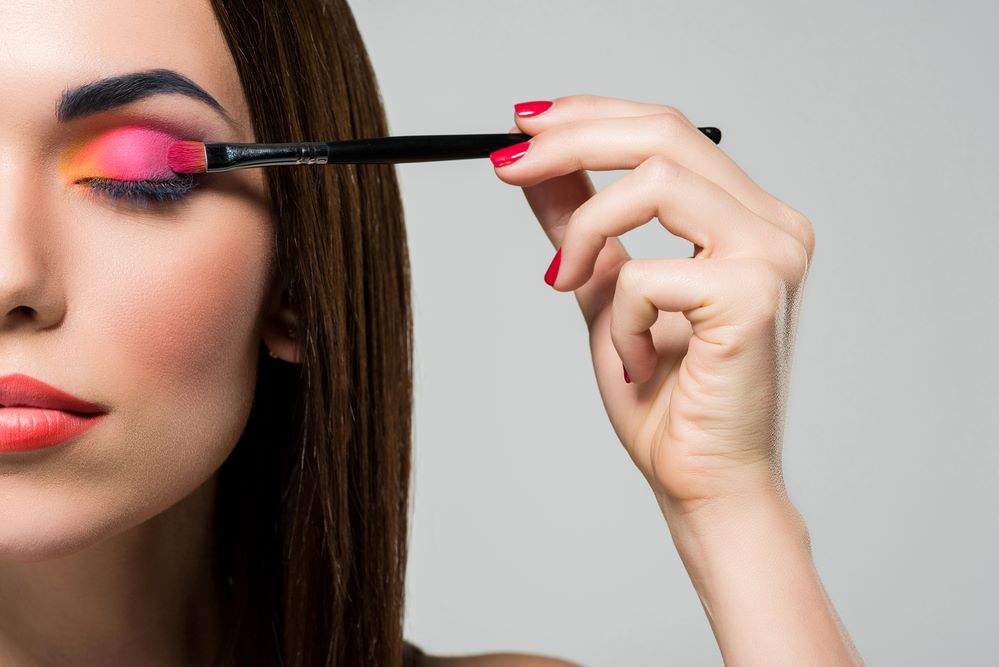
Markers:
<point>49,46</point>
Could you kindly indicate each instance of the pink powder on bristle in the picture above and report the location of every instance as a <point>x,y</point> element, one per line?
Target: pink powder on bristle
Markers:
<point>188,157</point>
<point>126,154</point>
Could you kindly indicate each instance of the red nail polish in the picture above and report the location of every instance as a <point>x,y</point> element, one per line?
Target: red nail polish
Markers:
<point>627,378</point>
<point>531,109</point>
<point>552,273</point>
<point>508,154</point>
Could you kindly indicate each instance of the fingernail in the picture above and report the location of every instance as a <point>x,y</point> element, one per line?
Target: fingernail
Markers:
<point>627,378</point>
<point>530,109</point>
<point>552,273</point>
<point>508,154</point>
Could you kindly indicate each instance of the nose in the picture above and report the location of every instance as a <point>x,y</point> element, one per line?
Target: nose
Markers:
<point>27,246</point>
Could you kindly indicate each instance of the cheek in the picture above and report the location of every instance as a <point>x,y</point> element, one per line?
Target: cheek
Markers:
<point>190,318</point>
<point>163,320</point>
<point>190,322</point>
<point>181,311</point>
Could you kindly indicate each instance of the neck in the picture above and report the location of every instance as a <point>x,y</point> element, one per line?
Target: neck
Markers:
<point>143,596</point>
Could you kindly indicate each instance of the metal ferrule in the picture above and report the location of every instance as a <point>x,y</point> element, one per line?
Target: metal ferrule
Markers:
<point>220,157</point>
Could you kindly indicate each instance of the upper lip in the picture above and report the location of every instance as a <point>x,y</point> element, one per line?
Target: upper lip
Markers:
<point>19,390</point>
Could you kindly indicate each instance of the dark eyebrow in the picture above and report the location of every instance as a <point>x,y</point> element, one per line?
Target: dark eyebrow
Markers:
<point>115,91</point>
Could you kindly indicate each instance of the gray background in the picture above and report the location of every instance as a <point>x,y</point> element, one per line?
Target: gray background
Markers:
<point>532,529</point>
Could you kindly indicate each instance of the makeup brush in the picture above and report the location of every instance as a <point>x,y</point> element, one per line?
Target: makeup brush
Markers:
<point>195,157</point>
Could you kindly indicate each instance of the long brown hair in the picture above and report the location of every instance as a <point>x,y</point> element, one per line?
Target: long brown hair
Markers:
<point>312,513</point>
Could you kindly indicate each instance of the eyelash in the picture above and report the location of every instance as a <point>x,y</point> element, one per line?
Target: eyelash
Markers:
<point>142,193</point>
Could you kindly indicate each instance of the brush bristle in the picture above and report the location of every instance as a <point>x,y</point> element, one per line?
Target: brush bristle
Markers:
<point>187,157</point>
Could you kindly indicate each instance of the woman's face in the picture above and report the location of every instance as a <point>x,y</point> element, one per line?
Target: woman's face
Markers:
<point>154,313</point>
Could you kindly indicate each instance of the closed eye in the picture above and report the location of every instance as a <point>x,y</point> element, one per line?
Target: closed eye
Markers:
<point>142,193</point>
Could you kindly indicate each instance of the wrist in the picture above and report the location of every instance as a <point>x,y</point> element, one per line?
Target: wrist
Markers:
<point>705,524</point>
<point>712,535</point>
<point>749,558</point>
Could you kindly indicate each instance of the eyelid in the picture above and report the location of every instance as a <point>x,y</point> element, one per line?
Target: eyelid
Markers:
<point>129,153</point>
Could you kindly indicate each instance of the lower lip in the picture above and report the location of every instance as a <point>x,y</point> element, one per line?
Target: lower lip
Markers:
<point>23,428</point>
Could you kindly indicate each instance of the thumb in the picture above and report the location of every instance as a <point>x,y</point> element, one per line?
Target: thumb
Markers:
<point>733,305</point>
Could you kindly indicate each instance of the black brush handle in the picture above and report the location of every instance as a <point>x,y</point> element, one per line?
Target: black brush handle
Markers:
<point>435,148</point>
<point>413,148</point>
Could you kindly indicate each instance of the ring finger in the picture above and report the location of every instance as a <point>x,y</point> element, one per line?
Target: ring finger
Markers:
<point>685,203</point>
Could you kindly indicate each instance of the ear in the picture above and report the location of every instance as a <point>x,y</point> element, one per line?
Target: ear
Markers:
<point>280,328</point>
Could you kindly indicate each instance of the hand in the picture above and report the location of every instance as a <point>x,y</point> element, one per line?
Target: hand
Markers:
<point>703,415</point>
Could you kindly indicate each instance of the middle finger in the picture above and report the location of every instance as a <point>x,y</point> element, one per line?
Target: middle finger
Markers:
<point>604,144</point>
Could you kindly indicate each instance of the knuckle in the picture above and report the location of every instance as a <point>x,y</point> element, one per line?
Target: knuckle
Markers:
<point>793,257</point>
<point>630,277</point>
<point>808,242</point>
<point>799,225</point>
<point>670,109</point>
<point>668,125</point>
<point>660,169</point>
<point>802,260</point>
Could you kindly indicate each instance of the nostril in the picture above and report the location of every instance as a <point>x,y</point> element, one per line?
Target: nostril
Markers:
<point>25,310</point>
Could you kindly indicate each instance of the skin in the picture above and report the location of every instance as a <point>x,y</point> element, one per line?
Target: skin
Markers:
<point>133,309</point>
<point>707,342</point>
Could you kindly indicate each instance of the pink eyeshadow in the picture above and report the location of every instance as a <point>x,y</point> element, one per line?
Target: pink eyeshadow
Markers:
<point>125,153</point>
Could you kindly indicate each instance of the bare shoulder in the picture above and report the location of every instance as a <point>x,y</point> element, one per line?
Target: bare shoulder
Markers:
<point>495,660</point>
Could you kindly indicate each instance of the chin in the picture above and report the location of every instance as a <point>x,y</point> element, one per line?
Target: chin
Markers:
<point>39,526</point>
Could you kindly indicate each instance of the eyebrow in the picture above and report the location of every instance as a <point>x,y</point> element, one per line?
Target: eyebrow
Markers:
<point>106,94</point>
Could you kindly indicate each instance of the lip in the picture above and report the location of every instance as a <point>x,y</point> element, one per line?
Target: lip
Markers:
<point>19,390</point>
<point>34,414</point>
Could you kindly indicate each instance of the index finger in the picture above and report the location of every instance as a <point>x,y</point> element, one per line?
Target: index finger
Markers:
<point>687,145</point>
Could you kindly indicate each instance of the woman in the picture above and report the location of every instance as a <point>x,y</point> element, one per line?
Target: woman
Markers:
<point>239,493</point>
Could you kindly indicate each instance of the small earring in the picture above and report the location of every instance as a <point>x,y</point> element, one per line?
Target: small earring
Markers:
<point>271,352</point>
<point>291,333</point>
